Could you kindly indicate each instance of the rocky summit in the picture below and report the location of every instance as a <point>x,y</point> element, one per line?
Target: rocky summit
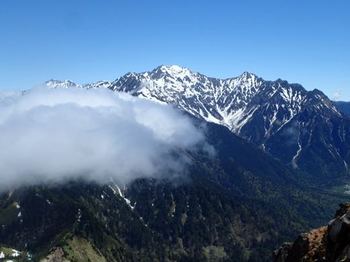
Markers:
<point>329,243</point>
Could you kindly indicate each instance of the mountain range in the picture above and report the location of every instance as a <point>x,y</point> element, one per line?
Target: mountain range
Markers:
<point>303,129</point>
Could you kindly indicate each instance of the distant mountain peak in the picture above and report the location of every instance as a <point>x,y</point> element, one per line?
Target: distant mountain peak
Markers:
<point>247,74</point>
<point>173,71</point>
<point>173,68</point>
<point>52,83</point>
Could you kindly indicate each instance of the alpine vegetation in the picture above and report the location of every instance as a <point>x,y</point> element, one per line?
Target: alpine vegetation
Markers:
<point>55,135</point>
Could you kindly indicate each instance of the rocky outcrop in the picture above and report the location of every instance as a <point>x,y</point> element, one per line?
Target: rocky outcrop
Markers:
<point>56,255</point>
<point>330,243</point>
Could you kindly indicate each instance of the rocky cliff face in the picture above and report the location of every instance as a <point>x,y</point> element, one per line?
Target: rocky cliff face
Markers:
<point>329,243</point>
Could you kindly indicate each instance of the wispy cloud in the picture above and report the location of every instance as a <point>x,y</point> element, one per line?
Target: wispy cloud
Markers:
<point>337,95</point>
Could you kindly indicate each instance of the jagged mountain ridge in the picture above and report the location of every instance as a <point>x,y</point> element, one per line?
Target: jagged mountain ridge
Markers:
<point>283,119</point>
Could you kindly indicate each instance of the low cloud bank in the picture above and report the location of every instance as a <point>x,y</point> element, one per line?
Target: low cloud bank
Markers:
<point>55,135</point>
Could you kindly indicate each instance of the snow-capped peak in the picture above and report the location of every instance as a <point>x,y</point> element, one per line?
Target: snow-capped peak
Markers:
<point>174,69</point>
<point>60,84</point>
<point>70,84</point>
<point>171,71</point>
<point>247,75</point>
<point>98,84</point>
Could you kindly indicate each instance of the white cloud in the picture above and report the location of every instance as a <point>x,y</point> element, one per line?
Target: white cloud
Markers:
<point>51,135</point>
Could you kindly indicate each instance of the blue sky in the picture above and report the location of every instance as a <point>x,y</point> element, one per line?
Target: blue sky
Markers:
<point>88,40</point>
